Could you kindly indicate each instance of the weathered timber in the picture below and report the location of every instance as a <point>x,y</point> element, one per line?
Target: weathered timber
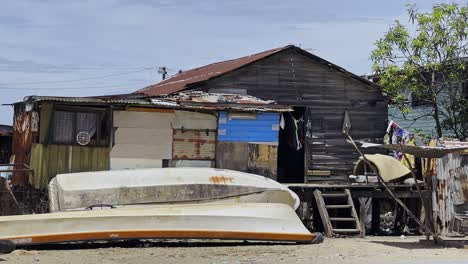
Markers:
<point>294,77</point>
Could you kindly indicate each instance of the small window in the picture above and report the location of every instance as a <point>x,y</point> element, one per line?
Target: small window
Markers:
<point>80,127</point>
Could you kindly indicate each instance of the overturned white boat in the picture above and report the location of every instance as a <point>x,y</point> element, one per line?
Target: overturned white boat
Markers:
<point>149,187</point>
<point>240,221</point>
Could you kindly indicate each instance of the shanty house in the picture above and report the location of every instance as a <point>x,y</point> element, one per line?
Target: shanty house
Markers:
<point>278,113</point>
<point>311,145</point>
<point>72,134</point>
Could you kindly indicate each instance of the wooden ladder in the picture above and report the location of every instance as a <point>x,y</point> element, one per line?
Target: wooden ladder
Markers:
<point>347,207</point>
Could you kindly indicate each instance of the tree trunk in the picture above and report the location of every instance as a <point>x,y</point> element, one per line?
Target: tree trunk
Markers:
<point>437,120</point>
<point>435,106</point>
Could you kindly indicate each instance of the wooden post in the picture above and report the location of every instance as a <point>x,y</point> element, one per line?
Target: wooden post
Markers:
<point>362,216</point>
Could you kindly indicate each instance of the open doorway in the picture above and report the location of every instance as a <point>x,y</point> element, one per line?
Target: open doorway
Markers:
<point>291,147</point>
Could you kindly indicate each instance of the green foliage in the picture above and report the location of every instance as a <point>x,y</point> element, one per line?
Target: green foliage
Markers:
<point>426,59</point>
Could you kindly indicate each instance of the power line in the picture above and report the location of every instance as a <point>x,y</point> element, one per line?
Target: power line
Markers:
<point>72,88</point>
<point>38,67</point>
<point>78,80</point>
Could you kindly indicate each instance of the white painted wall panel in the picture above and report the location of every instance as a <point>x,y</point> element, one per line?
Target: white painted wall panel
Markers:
<point>130,163</point>
<point>143,119</point>
<point>142,139</point>
<point>142,151</point>
<point>146,136</point>
<point>194,120</point>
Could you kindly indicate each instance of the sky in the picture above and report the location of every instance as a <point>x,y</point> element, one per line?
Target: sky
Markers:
<point>85,48</point>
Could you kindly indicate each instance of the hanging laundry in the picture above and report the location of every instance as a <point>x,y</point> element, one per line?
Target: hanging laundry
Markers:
<point>429,165</point>
<point>282,123</point>
<point>386,138</point>
<point>411,142</point>
<point>295,131</point>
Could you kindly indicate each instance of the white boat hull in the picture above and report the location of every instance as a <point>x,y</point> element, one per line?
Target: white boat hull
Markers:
<point>269,222</point>
<point>142,187</point>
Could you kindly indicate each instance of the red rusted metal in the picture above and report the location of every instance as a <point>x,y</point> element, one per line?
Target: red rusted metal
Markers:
<point>194,144</point>
<point>22,142</point>
<point>179,81</point>
<point>221,179</point>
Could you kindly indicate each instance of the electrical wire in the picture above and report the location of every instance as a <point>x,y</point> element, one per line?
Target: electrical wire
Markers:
<point>7,68</point>
<point>79,80</point>
<point>73,88</point>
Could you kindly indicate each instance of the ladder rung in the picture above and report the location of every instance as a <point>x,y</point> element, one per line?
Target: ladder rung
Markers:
<point>342,219</point>
<point>333,195</point>
<point>338,206</point>
<point>345,230</point>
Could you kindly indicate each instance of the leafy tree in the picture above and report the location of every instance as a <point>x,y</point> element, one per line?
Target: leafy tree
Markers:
<point>427,57</point>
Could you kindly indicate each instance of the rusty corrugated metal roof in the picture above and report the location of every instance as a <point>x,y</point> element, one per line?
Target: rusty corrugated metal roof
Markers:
<point>179,81</point>
<point>182,80</point>
<point>249,105</point>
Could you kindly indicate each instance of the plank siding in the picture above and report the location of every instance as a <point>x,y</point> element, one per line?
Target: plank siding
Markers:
<point>293,78</point>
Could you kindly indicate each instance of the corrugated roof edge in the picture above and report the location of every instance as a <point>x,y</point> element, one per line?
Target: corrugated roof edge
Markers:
<point>150,102</point>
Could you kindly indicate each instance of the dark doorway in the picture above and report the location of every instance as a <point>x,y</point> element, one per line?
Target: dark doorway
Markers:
<point>291,147</point>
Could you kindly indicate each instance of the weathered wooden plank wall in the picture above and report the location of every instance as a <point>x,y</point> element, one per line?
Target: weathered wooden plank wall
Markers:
<point>49,160</point>
<point>291,77</point>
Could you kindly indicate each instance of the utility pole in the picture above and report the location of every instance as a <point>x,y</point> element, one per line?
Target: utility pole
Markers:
<point>163,71</point>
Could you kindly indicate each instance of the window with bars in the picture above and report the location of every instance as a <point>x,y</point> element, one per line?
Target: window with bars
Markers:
<point>81,127</point>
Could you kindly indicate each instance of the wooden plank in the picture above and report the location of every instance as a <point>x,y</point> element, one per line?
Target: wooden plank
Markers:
<point>232,155</point>
<point>353,212</point>
<point>323,213</point>
<point>36,162</point>
<point>362,217</point>
<point>45,122</point>
<point>318,172</point>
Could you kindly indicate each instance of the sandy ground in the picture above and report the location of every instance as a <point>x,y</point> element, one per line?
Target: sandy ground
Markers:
<point>343,250</point>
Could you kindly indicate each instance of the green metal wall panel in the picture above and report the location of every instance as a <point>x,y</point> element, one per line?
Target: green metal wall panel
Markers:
<point>49,160</point>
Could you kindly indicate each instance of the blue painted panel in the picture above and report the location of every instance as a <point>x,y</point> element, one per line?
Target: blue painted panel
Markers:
<point>264,128</point>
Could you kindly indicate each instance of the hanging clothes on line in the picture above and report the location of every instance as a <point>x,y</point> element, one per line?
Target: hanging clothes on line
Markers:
<point>294,129</point>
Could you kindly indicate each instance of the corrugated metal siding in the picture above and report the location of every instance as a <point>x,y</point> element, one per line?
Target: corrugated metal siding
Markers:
<point>49,160</point>
<point>263,127</point>
<point>194,144</point>
<point>450,190</point>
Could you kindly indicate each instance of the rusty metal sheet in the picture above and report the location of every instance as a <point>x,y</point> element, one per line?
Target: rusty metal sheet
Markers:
<point>194,144</point>
<point>263,160</point>
<point>22,141</point>
<point>179,81</point>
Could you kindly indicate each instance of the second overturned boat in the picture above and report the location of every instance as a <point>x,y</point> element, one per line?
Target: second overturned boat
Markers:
<point>241,221</point>
<point>149,187</point>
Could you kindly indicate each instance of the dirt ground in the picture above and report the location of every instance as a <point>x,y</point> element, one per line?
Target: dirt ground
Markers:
<point>340,250</point>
